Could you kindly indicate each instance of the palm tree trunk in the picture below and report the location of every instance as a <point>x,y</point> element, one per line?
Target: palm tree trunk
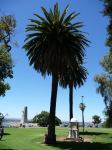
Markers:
<point>70,101</point>
<point>51,137</point>
<point>70,107</point>
<point>83,120</point>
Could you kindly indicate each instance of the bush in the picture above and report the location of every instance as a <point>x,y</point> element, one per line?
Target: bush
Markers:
<point>43,119</point>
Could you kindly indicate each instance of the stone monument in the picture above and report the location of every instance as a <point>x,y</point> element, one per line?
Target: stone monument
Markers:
<point>24,116</point>
<point>73,129</point>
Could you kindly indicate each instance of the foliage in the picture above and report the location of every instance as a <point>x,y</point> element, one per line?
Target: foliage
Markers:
<point>108,12</point>
<point>7,26</point>
<point>106,63</point>
<point>54,37</point>
<point>43,119</point>
<point>108,115</point>
<point>5,70</point>
<point>108,7</point>
<point>6,64</point>
<point>105,88</point>
<point>105,80</point>
<point>107,123</point>
<point>82,106</point>
<point>96,119</point>
<point>3,88</point>
<point>76,76</point>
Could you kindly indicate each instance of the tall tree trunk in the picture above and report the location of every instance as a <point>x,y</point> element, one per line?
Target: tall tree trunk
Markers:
<point>70,101</point>
<point>83,120</point>
<point>51,137</point>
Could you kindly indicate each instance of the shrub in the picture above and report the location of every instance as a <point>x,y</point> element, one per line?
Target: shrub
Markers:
<point>43,119</point>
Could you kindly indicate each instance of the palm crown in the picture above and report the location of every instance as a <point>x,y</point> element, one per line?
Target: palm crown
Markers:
<point>82,106</point>
<point>54,42</point>
<point>74,75</point>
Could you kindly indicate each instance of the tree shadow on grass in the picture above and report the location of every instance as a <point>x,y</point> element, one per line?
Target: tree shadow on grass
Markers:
<point>82,146</point>
<point>7,149</point>
<point>92,133</point>
<point>7,134</point>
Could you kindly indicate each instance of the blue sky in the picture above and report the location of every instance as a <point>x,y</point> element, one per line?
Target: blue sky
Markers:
<point>28,88</point>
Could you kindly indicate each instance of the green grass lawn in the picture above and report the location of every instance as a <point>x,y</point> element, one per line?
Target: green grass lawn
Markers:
<point>32,139</point>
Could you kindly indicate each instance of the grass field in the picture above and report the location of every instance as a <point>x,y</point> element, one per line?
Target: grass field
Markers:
<point>32,139</point>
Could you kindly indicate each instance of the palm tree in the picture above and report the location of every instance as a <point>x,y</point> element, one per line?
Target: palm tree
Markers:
<point>72,78</point>
<point>53,43</point>
<point>82,107</point>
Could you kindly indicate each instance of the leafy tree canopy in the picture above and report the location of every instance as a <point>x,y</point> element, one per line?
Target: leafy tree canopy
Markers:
<point>3,88</point>
<point>43,119</point>
<point>105,80</point>
<point>7,26</point>
<point>5,69</point>
<point>107,7</point>
<point>108,12</point>
<point>6,64</point>
<point>106,63</point>
<point>104,88</point>
<point>96,119</point>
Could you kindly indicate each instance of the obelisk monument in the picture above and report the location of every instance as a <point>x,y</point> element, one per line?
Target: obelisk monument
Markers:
<point>24,115</point>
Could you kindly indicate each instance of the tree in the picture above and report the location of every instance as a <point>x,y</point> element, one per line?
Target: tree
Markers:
<point>107,61</point>
<point>43,119</point>
<point>73,77</point>
<point>3,88</point>
<point>108,115</point>
<point>104,88</point>
<point>5,70</point>
<point>54,43</point>
<point>1,118</point>
<point>96,120</point>
<point>108,12</point>
<point>105,80</point>
<point>82,107</point>
<point>7,26</point>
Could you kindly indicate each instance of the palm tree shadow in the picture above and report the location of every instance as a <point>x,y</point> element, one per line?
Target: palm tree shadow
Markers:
<point>71,145</point>
<point>92,133</point>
